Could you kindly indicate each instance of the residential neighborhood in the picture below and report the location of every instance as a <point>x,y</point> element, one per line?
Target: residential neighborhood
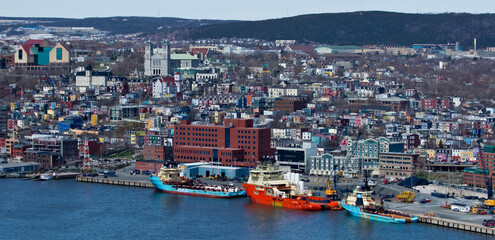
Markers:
<point>321,108</point>
<point>247,120</point>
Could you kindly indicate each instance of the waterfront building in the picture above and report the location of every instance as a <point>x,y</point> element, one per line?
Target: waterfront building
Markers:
<point>369,150</point>
<point>66,148</point>
<point>398,165</point>
<point>485,169</point>
<point>149,165</point>
<point>19,167</point>
<point>46,159</point>
<point>237,143</point>
<point>296,158</point>
<point>326,164</point>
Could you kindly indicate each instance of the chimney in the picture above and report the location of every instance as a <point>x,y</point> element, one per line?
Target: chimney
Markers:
<point>475,44</point>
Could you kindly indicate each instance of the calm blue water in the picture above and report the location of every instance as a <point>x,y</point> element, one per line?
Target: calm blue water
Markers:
<point>66,209</point>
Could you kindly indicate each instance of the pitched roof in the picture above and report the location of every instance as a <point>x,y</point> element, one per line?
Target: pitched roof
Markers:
<point>167,80</point>
<point>195,51</point>
<point>182,56</point>
<point>35,41</point>
<point>29,44</point>
<point>63,45</point>
<point>27,48</point>
<point>303,48</point>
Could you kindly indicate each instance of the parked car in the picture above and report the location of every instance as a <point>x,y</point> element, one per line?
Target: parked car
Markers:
<point>305,179</point>
<point>489,223</point>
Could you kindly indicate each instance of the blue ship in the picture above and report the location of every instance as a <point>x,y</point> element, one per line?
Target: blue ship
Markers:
<point>169,181</point>
<point>360,204</point>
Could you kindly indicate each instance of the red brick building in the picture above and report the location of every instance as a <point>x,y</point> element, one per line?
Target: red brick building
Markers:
<point>237,143</point>
<point>154,152</point>
<point>289,104</point>
<point>96,148</point>
<point>435,103</point>
<point>45,159</point>
<point>150,165</point>
<point>18,150</point>
<point>412,141</point>
<point>477,176</point>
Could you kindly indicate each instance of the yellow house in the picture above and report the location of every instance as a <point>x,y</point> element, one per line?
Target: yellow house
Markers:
<point>431,154</point>
<point>94,120</point>
<point>467,155</point>
<point>133,138</point>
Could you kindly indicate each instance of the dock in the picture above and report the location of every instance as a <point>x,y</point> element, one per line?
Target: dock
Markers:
<point>112,181</point>
<point>456,224</point>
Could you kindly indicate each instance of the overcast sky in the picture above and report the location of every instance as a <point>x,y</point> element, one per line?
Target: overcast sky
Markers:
<point>230,9</point>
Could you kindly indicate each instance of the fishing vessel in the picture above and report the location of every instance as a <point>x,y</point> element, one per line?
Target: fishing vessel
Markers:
<point>266,185</point>
<point>168,180</point>
<point>46,177</point>
<point>361,204</point>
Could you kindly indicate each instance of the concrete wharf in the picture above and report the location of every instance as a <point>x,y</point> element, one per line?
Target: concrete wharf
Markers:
<point>456,224</point>
<point>116,181</point>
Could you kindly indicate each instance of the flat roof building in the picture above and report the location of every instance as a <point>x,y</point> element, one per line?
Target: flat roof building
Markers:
<point>19,167</point>
<point>236,143</point>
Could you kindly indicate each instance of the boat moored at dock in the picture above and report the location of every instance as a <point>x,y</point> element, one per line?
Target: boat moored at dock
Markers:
<point>266,185</point>
<point>168,180</point>
<point>361,204</point>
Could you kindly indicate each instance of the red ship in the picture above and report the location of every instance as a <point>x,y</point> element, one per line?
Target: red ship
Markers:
<point>266,185</point>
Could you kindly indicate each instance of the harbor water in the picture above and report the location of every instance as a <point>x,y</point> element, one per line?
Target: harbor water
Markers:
<point>66,209</point>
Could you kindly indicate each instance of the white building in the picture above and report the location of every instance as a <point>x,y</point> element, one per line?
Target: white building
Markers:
<point>164,87</point>
<point>280,92</point>
<point>296,159</point>
<point>161,62</point>
<point>156,62</point>
<point>90,78</point>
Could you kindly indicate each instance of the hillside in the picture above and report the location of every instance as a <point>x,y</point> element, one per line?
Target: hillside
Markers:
<point>360,28</point>
<point>121,24</point>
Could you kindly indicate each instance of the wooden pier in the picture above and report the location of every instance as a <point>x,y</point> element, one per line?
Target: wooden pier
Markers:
<point>456,224</point>
<point>113,181</point>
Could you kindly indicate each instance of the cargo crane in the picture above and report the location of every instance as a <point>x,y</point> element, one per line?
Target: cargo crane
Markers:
<point>333,193</point>
<point>87,159</point>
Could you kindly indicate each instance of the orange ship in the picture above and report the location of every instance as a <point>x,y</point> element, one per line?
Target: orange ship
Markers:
<point>266,185</point>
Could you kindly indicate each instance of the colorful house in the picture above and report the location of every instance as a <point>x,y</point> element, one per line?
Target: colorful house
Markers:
<point>39,55</point>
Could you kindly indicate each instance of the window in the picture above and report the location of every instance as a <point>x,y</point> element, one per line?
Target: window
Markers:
<point>19,54</point>
<point>59,53</point>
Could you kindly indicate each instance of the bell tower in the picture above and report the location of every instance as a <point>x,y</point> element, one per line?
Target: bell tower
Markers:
<point>148,53</point>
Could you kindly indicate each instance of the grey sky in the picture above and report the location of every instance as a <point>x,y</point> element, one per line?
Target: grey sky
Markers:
<point>230,9</point>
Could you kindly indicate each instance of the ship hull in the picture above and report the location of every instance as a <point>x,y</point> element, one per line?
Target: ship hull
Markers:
<point>172,189</point>
<point>356,211</point>
<point>257,195</point>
